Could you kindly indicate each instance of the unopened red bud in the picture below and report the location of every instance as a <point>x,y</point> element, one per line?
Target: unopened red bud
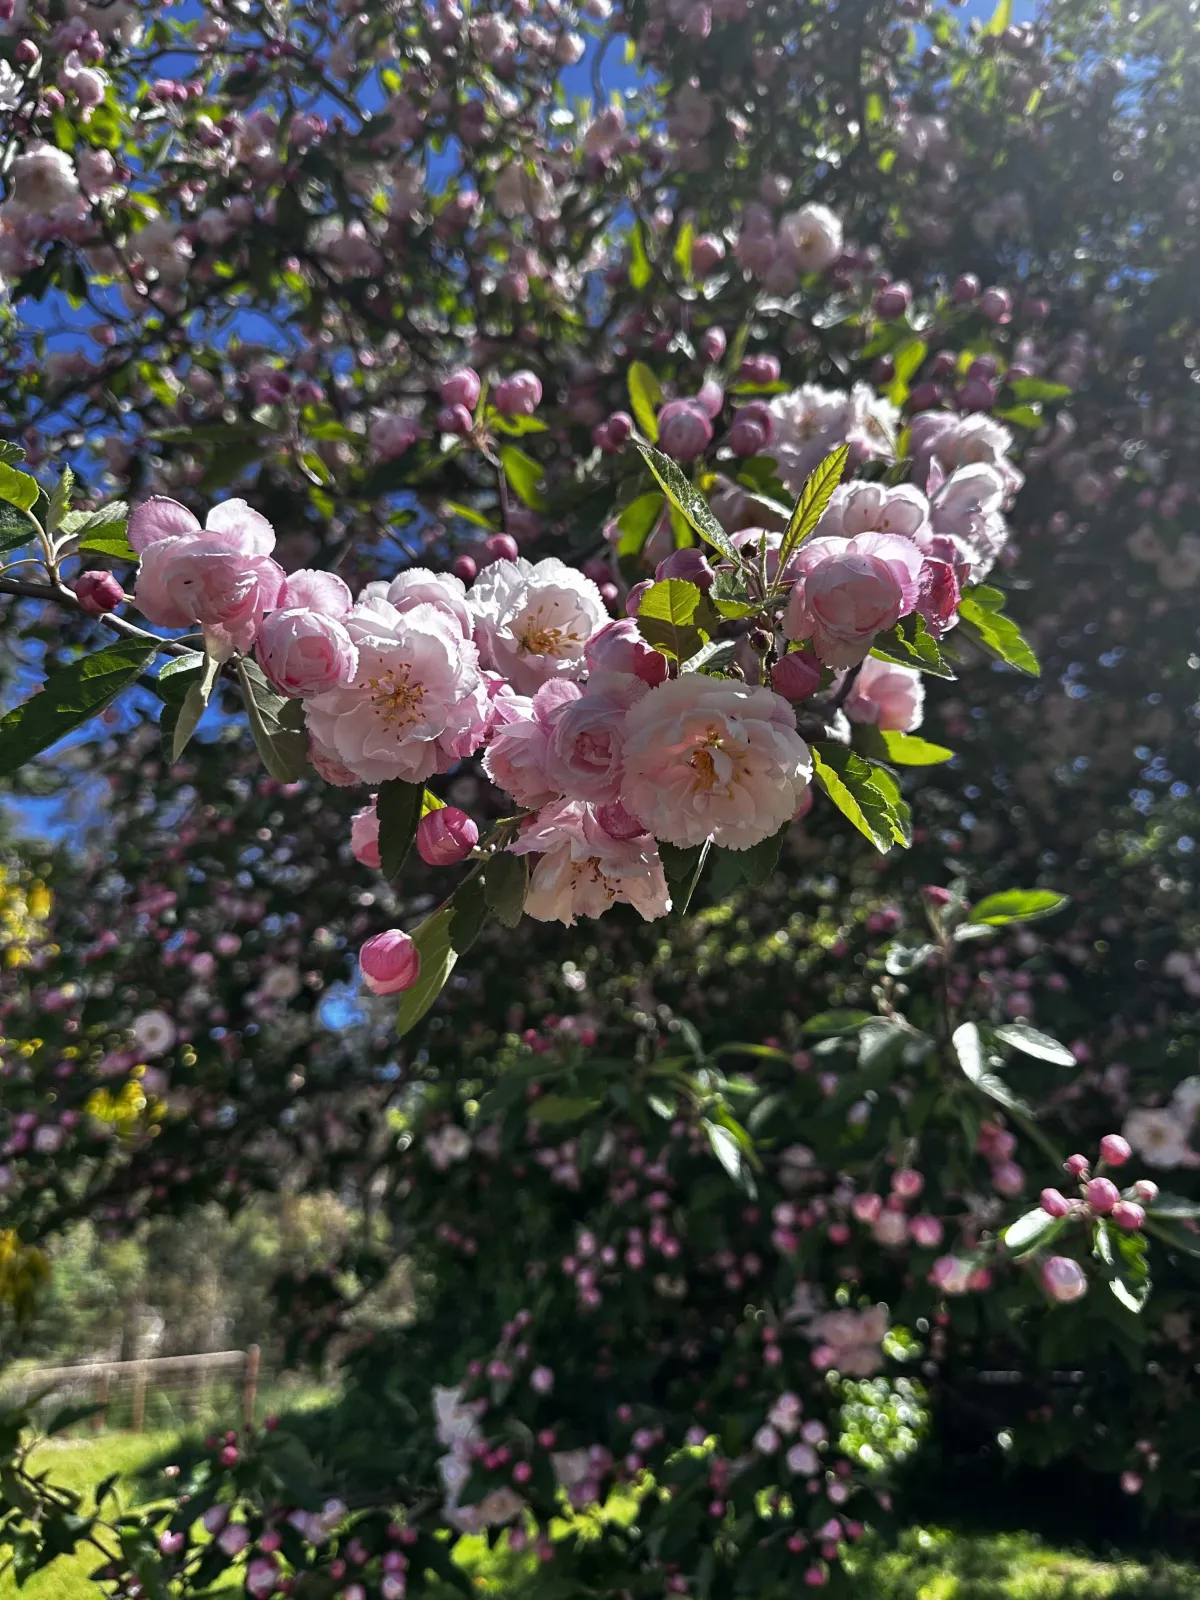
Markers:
<point>98,592</point>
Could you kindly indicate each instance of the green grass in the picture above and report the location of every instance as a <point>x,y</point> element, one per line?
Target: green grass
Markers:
<point>80,1464</point>
<point>930,1563</point>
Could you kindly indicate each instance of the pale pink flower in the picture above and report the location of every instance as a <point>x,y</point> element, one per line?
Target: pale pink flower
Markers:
<point>588,736</point>
<point>43,177</point>
<point>220,576</point>
<point>533,622</point>
<point>442,589</point>
<point>619,647</point>
<point>364,835</point>
<point>416,703</point>
<point>888,696</point>
<point>810,239</point>
<point>852,1339</point>
<point>304,653</point>
<point>518,755</point>
<point>583,870</point>
<point>712,758</point>
<point>856,508</point>
<point>846,593</point>
<point>316,591</point>
<point>967,510</point>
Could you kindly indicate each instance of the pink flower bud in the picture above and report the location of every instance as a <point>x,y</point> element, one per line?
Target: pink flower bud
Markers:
<point>1064,1280</point>
<point>464,567</point>
<point>98,592</point>
<point>1102,1195</point>
<point>518,395</point>
<point>684,430</point>
<point>1145,1191</point>
<point>893,301</point>
<point>996,305</point>
<point>446,836</point>
<point>1115,1150</point>
<point>907,1183</point>
<point>933,894</point>
<point>965,289</point>
<point>708,251</point>
<point>460,388</point>
<point>926,1231</point>
<point>796,675</point>
<point>364,835</point>
<point>759,368</point>
<point>713,344</point>
<point>1008,1178</point>
<point>1054,1204</point>
<point>1076,1165</point>
<point>633,599</point>
<point>1131,1483</point>
<point>710,398</point>
<point>501,547</point>
<point>1128,1215</point>
<point>691,564</point>
<point>454,419</point>
<point>390,962</point>
<point>234,1539</point>
<point>262,1577</point>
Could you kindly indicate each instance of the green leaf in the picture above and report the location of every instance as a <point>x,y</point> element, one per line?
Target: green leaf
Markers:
<point>753,866</point>
<point>637,522</point>
<point>1032,1043</point>
<point>910,644</point>
<point>195,703</point>
<point>728,1151</point>
<point>440,940</point>
<point>906,360</point>
<point>675,618</point>
<point>452,508</point>
<point>682,253</point>
<point>906,750</point>
<point>682,869</point>
<point>814,497</point>
<point>276,723</point>
<point>69,698</point>
<point>640,270</point>
<point>1175,1205</point>
<point>60,500</point>
<point>18,488</point>
<point>15,528</point>
<point>11,454</point>
<point>524,473</point>
<point>1027,389</point>
<point>506,883</point>
<point>645,397</point>
<point>716,653</point>
<point>514,427</point>
<point>1028,1232</point>
<point>863,793</point>
<point>981,615</point>
<point>689,501</point>
<point>968,1047</point>
<point>1000,19</point>
<point>398,807</point>
<point>553,1108</point>
<point>1017,905</point>
<point>730,596</point>
<point>174,680</point>
<point>1174,1238</point>
<point>1023,416</point>
<point>837,1022</point>
<point>110,540</point>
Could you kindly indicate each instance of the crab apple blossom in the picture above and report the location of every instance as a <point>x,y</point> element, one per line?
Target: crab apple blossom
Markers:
<point>887,696</point>
<point>220,576</point>
<point>533,621</point>
<point>706,758</point>
<point>848,591</point>
<point>98,592</point>
<point>416,702</point>
<point>390,962</point>
<point>583,870</point>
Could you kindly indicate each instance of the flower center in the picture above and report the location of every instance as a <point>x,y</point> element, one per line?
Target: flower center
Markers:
<point>395,699</point>
<point>540,637</point>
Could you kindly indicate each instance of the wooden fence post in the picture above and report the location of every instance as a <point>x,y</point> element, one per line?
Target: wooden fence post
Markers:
<point>138,1418</point>
<point>250,1386</point>
<point>102,1382</point>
